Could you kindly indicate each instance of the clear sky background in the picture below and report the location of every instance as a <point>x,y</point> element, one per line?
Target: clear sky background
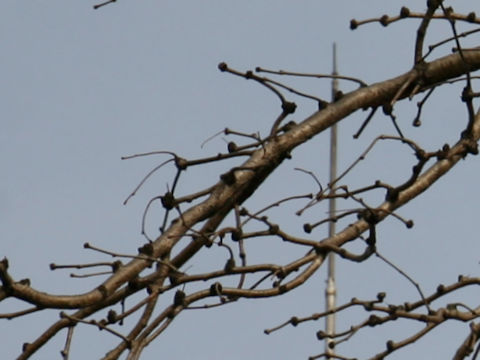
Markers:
<point>81,88</point>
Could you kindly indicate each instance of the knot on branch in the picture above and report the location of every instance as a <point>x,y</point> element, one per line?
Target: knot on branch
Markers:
<point>392,310</point>
<point>294,321</point>
<point>443,153</point>
<point>103,290</point>
<point>440,289</point>
<point>222,66</point>
<point>307,228</point>
<point>168,200</point>
<point>273,229</point>
<point>321,335</point>
<point>181,163</point>
<point>471,17</point>
<point>368,306</point>
<point>204,239</point>
<point>116,265</point>
<point>179,298</point>
<point>288,126</point>
<point>387,108</point>
<point>216,289</point>
<point>232,147</point>
<point>229,266</point>
<point>146,249</point>
<point>7,281</point>
<point>390,345</point>
<point>25,282</point>
<point>134,284</point>
<point>236,234</point>
<point>112,316</point>
<point>471,146</point>
<point>404,12</point>
<point>338,95</point>
<point>369,216</point>
<point>281,273</point>
<point>288,107</point>
<point>384,20</point>
<point>4,264</point>
<point>228,178</point>
<point>374,320</point>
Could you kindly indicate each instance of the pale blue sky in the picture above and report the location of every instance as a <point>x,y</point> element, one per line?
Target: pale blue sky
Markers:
<point>81,88</point>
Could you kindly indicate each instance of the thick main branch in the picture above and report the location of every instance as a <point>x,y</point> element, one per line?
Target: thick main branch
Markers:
<point>260,165</point>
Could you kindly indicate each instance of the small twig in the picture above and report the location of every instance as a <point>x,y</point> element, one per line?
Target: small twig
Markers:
<point>66,350</point>
<point>150,173</point>
<point>314,178</point>
<point>440,43</point>
<point>365,123</point>
<point>417,121</point>
<point>10,316</point>
<point>404,274</point>
<point>250,75</point>
<point>95,7</point>
<point>319,76</point>
<point>98,324</point>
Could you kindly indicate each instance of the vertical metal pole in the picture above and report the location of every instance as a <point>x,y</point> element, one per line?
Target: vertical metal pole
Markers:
<point>331,291</point>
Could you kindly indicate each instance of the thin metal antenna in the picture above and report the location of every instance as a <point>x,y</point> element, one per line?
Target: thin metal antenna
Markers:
<point>331,291</point>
